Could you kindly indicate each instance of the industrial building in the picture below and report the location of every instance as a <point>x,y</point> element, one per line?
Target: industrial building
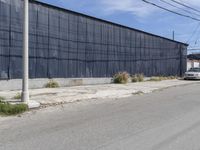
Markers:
<point>67,44</point>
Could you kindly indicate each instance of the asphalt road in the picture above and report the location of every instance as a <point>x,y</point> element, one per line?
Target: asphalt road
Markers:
<point>163,120</point>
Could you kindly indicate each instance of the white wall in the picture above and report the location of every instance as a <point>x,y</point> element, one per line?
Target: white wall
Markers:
<point>192,64</point>
<point>189,65</point>
<point>196,64</point>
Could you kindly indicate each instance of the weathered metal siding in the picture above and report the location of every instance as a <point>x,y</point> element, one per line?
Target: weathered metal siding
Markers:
<point>65,44</point>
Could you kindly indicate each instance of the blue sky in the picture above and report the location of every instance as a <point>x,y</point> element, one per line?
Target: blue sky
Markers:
<point>137,14</point>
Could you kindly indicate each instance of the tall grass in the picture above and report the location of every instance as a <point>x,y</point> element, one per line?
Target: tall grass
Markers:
<point>121,78</point>
<point>52,84</point>
<point>9,109</point>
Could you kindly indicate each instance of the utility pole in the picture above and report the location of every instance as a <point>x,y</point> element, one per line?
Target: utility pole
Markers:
<point>173,35</point>
<point>25,91</point>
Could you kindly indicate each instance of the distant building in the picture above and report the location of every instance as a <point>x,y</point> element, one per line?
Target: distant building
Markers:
<point>193,60</point>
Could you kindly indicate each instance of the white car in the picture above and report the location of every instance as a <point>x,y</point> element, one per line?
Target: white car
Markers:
<point>193,73</point>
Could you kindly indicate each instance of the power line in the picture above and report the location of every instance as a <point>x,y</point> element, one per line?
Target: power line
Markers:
<point>193,33</point>
<point>177,13</point>
<point>196,40</point>
<point>185,5</point>
<point>179,8</point>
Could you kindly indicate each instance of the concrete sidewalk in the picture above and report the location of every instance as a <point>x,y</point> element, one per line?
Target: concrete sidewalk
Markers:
<point>48,97</point>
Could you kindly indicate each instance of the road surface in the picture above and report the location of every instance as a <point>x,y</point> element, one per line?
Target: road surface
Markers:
<point>163,120</point>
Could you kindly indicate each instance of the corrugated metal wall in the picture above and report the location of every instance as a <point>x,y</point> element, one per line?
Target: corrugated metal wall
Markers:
<point>66,44</point>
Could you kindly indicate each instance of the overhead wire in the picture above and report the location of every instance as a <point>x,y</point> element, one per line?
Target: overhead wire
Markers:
<point>196,39</point>
<point>190,8</point>
<point>180,8</point>
<point>193,33</point>
<point>177,13</point>
<point>177,2</point>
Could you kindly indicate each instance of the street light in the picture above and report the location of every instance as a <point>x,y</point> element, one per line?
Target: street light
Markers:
<point>25,91</point>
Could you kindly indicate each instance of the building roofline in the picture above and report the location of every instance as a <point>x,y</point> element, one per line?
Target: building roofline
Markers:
<point>106,21</point>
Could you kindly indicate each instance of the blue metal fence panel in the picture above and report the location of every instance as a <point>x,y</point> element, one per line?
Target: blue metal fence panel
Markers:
<point>66,44</point>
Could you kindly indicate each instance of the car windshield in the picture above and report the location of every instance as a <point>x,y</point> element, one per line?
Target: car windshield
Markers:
<point>194,70</point>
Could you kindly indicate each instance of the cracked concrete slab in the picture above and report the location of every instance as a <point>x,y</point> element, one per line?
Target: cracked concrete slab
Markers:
<point>50,96</point>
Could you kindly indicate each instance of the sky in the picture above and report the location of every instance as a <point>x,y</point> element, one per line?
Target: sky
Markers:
<point>143,16</point>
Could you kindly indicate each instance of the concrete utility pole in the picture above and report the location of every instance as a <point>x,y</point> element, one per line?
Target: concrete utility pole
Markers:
<point>25,92</point>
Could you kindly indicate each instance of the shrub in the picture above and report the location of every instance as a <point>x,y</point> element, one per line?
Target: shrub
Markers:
<point>2,98</point>
<point>134,78</point>
<point>52,84</point>
<point>121,77</point>
<point>18,96</point>
<point>137,78</point>
<point>9,109</point>
<point>140,77</point>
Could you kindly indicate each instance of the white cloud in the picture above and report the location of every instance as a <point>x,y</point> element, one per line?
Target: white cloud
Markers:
<point>136,7</point>
<point>140,8</point>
